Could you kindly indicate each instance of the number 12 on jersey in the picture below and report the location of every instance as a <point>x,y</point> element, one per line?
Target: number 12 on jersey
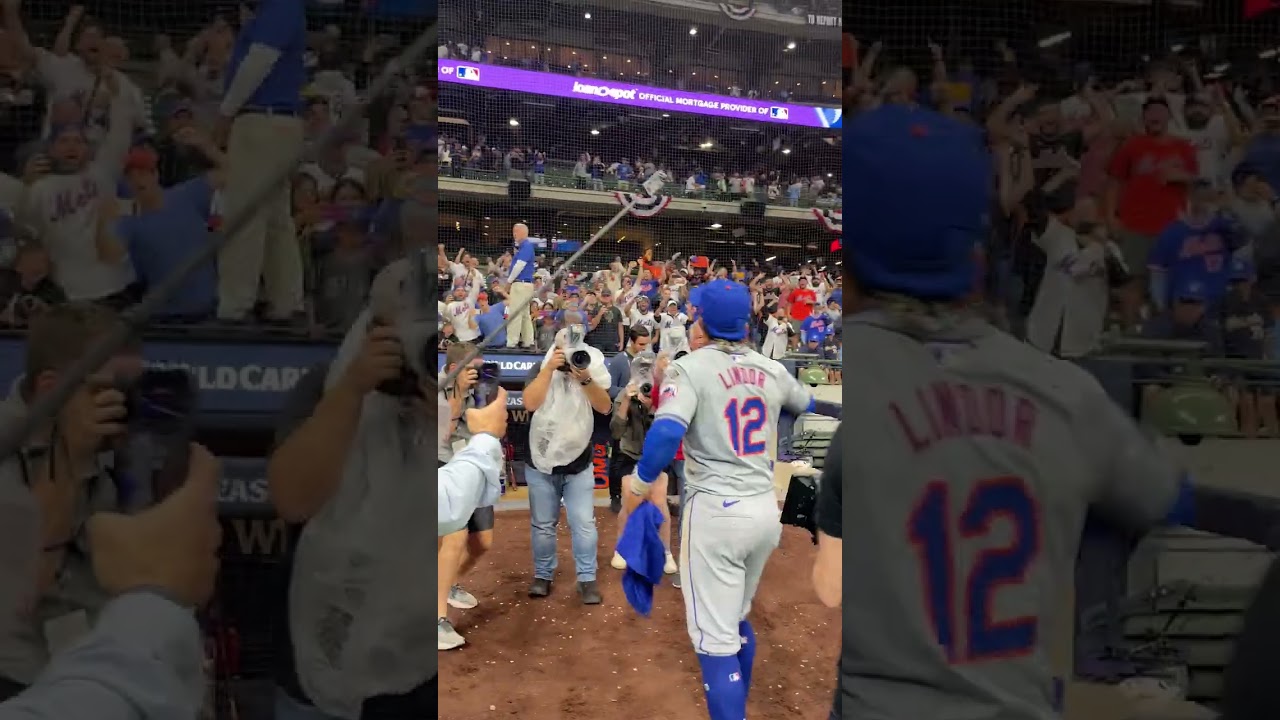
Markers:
<point>960,600</point>
<point>746,420</point>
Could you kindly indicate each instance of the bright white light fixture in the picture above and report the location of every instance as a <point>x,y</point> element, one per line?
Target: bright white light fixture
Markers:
<point>771,258</point>
<point>586,16</point>
<point>513,122</point>
<point>791,45</point>
<point>595,131</point>
<point>693,30</point>
<point>716,226</point>
<point>786,151</point>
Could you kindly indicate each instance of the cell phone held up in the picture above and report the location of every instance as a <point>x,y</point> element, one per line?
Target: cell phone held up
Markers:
<point>488,384</point>
<point>154,457</point>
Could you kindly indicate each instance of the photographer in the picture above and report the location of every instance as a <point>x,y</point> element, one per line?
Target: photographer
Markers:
<point>354,451</point>
<point>564,394</point>
<point>458,551</point>
<point>828,574</point>
<point>619,366</point>
<point>143,657</point>
<point>632,416</point>
<point>65,468</point>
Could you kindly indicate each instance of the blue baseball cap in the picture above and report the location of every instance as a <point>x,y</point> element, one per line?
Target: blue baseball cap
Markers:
<point>921,193</point>
<point>725,310</point>
<point>1190,291</point>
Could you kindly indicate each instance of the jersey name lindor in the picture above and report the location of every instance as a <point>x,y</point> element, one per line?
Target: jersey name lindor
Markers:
<point>736,376</point>
<point>951,410</point>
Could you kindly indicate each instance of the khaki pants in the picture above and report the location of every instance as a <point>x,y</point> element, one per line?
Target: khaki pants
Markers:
<point>520,331</point>
<point>266,248</point>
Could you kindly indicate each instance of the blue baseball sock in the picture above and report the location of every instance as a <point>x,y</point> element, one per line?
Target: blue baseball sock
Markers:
<point>747,655</point>
<point>726,692</point>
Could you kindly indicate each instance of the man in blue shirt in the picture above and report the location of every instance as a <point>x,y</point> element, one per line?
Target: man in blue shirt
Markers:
<point>1195,248</point>
<point>260,121</point>
<point>167,226</point>
<point>1263,151</point>
<point>520,333</point>
<point>490,321</point>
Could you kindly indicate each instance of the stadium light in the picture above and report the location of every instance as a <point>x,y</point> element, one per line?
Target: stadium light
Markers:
<point>791,45</point>
<point>693,30</point>
<point>586,16</point>
<point>595,131</point>
<point>771,258</point>
<point>513,122</point>
<point>716,226</point>
<point>786,151</point>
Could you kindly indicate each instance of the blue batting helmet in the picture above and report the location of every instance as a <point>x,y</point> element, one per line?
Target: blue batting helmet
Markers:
<point>918,190</point>
<point>725,309</point>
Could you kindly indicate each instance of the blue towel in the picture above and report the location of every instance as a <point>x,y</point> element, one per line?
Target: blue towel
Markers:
<point>641,546</point>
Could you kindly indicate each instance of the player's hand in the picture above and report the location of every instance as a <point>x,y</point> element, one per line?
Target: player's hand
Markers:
<point>490,419</point>
<point>172,547</point>
<point>557,359</point>
<point>380,359</point>
<point>631,501</point>
<point>467,379</point>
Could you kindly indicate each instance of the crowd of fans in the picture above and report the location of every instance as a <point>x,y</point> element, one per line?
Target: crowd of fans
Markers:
<point>1144,206</point>
<point>113,177</point>
<point>797,309</point>
<point>681,178</point>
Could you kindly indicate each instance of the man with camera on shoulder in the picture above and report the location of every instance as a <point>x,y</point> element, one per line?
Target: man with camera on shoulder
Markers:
<point>564,394</point>
<point>459,551</point>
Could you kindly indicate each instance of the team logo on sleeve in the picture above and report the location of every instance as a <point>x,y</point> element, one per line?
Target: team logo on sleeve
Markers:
<point>668,392</point>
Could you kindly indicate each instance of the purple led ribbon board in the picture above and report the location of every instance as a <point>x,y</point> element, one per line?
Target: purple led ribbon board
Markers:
<point>641,96</point>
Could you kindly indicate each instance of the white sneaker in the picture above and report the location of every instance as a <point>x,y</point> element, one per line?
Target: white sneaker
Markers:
<point>462,599</point>
<point>617,563</point>
<point>670,568</point>
<point>446,637</point>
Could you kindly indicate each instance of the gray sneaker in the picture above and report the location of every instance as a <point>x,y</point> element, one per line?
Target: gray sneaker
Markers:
<point>446,637</point>
<point>462,599</point>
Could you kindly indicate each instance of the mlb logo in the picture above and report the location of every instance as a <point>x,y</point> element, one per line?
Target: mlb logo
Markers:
<point>777,113</point>
<point>466,72</point>
<point>668,392</point>
<point>735,677</point>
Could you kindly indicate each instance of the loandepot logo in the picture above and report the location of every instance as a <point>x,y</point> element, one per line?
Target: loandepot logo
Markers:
<point>605,91</point>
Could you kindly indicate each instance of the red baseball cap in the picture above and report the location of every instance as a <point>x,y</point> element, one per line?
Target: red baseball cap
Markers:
<point>141,158</point>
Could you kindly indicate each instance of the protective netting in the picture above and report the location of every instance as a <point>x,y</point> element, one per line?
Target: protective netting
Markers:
<point>167,64</point>
<point>1096,227</point>
<point>548,111</point>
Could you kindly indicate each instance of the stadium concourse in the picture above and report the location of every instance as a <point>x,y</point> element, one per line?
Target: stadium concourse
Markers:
<point>610,180</point>
<point>1165,287</point>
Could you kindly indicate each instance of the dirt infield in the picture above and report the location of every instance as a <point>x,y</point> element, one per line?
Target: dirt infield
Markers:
<point>555,659</point>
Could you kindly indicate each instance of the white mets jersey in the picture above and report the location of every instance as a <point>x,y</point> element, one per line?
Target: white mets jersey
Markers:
<point>974,460</point>
<point>730,400</point>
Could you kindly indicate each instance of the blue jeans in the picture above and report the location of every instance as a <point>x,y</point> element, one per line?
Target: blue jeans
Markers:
<point>578,492</point>
<point>289,709</point>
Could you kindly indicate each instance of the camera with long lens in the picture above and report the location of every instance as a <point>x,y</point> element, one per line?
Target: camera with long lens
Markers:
<point>575,350</point>
<point>642,373</point>
<point>153,457</point>
<point>412,303</point>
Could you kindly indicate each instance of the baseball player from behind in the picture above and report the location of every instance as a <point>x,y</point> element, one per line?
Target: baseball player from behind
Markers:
<point>974,457</point>
<point>722,400</point>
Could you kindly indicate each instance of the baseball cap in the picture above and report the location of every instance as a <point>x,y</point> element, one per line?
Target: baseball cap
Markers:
<point>672,303</point>
<point>725,309</point>
<point>894,156</point>
<point>482,296</point>
<point>141,158</point>
<point>1241,269</point>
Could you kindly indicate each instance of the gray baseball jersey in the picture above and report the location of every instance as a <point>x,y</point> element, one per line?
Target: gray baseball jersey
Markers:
<point>974,460</point>
<point>730,401</point>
